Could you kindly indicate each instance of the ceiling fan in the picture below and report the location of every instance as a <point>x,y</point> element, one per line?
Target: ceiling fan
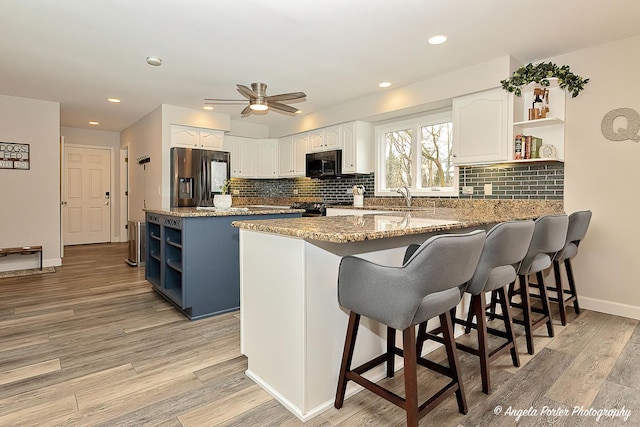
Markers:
<point>260,101</point>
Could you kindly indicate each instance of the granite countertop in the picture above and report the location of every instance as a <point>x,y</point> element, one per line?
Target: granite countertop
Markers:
<point>232,211</point>
<point>354,228</point>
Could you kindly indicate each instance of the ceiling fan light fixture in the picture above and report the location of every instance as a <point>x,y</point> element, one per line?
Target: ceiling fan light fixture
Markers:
<point>259,105</point>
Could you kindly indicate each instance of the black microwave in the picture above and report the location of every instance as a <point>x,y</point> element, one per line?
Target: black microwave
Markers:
<point>326,164</point>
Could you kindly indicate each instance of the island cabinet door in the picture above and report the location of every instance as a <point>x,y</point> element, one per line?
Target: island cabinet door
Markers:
<point>211,266</point>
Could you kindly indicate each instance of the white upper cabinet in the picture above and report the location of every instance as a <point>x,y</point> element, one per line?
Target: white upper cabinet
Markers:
<point>291,155</point>
<point>211,139</point>
<point>355,139</point>
<point>267,152</point>
<point>482,127</point>
<point>192,137</point>
<point>316,140</point>
<point>244,157</point>
<point>332,137</point>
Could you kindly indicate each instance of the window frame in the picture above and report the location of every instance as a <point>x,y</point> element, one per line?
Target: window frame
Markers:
<point>415,124</point>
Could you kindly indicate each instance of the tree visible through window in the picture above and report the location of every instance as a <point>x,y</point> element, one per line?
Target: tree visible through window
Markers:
<point>417,154</point>
<point>437,165</point>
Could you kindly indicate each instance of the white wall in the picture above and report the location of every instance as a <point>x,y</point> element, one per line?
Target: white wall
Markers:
<point>30,199</point>
<point>144,138</point>
<point>104,139</point>
<point>602,175</point>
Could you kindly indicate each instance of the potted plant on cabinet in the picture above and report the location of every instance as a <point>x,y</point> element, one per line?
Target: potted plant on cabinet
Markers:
<point>541,73</point>
<point>223,200</point>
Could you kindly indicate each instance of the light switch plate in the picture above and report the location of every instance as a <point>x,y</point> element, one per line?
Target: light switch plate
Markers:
<point>467,189</point>
<point>488,189</point>
<point>236,192</point>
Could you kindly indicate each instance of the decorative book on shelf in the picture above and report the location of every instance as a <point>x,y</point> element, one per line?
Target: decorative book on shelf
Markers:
<point>526,147</point>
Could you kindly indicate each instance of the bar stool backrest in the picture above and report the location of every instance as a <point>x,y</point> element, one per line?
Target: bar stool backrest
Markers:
<point>578,225</point>
<point>548,238</point>
<point>506,244</point>
<point>393,295</point>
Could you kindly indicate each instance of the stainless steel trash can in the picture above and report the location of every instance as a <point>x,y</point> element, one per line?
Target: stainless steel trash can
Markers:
<point>137,243</point>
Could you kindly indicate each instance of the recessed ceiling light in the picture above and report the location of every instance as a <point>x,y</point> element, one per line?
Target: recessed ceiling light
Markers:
<point>94,123</point>
<point>154,60</point>
<point>208,107</point>
<point>384,84</point>
<point>114,100</point>
<point>298,112</point>
<point>437,39</point>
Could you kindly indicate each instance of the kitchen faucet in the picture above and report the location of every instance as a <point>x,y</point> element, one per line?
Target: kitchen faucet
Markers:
<point>406,194</point>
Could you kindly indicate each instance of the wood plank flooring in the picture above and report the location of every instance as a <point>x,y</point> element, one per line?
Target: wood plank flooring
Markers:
<point>93,345</point>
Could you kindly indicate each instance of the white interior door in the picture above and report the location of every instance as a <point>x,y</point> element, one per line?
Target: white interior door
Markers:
<point>86,195</point>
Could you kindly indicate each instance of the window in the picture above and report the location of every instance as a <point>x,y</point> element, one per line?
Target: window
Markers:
<point>417,153</point>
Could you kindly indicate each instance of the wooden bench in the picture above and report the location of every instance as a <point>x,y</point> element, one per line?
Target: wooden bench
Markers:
<point>24,250</point>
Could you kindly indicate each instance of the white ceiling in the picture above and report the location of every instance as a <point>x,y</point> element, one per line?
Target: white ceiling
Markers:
<point>81,52</point>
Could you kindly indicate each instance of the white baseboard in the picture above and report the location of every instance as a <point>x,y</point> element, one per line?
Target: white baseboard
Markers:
<point>610,307</point>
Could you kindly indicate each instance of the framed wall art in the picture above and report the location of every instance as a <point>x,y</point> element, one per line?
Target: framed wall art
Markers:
<point>14,156</point>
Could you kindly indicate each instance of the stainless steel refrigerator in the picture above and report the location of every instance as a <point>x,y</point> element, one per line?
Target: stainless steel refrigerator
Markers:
<point>196,175</point>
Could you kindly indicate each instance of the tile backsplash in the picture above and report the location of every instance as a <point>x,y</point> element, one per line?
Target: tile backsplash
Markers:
<point>543,181</point>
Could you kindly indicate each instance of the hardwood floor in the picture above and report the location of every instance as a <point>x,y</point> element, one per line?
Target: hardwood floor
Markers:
<point>92,344</point>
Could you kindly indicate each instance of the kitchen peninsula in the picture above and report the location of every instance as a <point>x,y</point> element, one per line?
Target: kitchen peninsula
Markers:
<point>192,256</point>
<point>292,328</point>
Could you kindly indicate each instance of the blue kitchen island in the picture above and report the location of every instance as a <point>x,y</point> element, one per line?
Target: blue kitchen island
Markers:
<point>192,256</point>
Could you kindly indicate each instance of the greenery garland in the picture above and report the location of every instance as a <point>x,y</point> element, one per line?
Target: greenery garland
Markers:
<point>540,73</point>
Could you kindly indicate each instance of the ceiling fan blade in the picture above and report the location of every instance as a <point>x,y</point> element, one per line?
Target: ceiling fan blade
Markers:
<point>247,110</point>
<point>225,100</point>
<point>282,107</point>
<point>245,91</point>
<point>286,96</point>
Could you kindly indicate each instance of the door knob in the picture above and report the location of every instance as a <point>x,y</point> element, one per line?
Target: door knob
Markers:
<point>106,203</point>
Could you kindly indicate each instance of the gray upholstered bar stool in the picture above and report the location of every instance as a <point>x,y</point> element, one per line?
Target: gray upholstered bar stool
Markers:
<point>548,238</point>
<point>424,287</point>
<point>578,225</point>
<point>506,245</point>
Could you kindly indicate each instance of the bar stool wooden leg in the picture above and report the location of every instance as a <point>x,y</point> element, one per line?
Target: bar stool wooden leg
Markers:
<point>526,312</point>
<point>391,345</point>
<point>347,356</point>
<point>452,356</point>
<point>561,302</point>
<point>572,285</point>
<point>479,304</point>
<point>410,375</point>
<point>508,324</point>
<point>546,307</point>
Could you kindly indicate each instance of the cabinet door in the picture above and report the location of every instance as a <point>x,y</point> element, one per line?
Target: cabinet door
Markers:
<point>332,137</point>
<point>348,148</point>
<point>481,127</point>
<point>230,144</point>
<point>267,158</point>
<point>211,139</point>
<point>247,157</point>
<point>356,147</point>
<point>183,136</point>
<point>316,140</point>
<point>285,156</point>
<point>300,143</point>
